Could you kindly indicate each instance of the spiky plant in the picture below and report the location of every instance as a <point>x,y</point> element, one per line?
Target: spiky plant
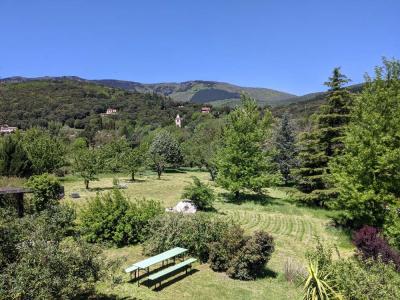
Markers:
<point>317,285</point>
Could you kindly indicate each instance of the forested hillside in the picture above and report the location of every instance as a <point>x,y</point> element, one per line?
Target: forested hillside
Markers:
<point>198,91</point>
<point>75,103</point>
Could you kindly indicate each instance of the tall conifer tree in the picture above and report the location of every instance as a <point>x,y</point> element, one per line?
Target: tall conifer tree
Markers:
<point>323,142</point>
<point>286,150</point>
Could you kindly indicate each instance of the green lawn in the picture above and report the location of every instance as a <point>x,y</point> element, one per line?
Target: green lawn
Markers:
<point>293,227</point>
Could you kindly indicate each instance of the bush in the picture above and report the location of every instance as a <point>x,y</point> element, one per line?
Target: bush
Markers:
<point>371,245</point>
<point>201,194</point>
<point>391,228</point>
<point>194,232</point>
<point>363,280</point>
<point>356,279</point>
<point>46,191</point>
<point>294,272</point>
<point>111,218</point>
<point>40,260</point>
<point>249,261</point>
<point>222,251</point>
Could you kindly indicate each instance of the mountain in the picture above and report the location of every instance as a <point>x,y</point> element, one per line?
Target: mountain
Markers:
<point>197,91</point>
<point>78,103</point>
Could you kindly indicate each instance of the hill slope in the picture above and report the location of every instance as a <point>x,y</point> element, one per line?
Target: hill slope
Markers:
<point>77,103</point>
<point>197,91</point>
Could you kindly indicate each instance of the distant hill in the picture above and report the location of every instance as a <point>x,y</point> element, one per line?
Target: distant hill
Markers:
<point>303,106</point>
<point>26,103</point>
<point>197,91</point>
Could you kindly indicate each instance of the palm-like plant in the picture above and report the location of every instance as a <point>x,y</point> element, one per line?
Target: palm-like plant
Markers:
<point>317,286</point>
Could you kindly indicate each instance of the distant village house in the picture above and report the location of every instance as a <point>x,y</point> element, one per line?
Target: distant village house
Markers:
<point>178,121</point>
<point>5,129</point>
<point>206,110</point>
<point>111,111</point>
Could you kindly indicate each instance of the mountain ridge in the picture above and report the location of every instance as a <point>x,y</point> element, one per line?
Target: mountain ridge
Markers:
<point>198,91</point>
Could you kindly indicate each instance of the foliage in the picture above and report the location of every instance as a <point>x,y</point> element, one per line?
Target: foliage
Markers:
<point>367,175</point>
<point>134,160</point>
<point>318,286</point>
<point>76,103</point>
<point>223,250</point>
<point>193,232</point>
<point>165,144</point>
<point>201,194</point>
<point>371,245</point>
<point>14,160</point>
<point>249,261</point>
<point>286,150</point>
<point>87,164</point>
<point>112,155</point>
<point>46,191</point>
<point>44,263</point>
<point>356,279</point>
<point>323,142</point>
<point>112,218</point>
<point>391,228</point>
<point>201,148</point>
<point>46,152</point>
<point>242,162</point>
<point>294,272</point>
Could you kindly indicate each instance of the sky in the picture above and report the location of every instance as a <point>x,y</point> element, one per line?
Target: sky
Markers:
<point>287,45</point>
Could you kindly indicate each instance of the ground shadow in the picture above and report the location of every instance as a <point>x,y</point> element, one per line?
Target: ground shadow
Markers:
<point>144,274</point>
<point>174,170</point>
<point>100,189</point>
<point>168,282</point>
<point>137,180</point>
<point>261,199</point>
<point>268,273</point>
<point>102,297</point>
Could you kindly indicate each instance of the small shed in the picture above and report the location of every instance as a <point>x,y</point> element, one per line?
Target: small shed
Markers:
<point>17,196</point>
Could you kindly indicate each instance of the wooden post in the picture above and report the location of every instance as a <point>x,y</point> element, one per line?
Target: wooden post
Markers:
<point>20,204</point>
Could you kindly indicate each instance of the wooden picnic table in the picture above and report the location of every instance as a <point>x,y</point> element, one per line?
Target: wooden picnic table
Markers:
<point>148,262</point>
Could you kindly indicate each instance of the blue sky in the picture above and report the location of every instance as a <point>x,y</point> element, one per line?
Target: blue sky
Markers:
<point>287,45</point>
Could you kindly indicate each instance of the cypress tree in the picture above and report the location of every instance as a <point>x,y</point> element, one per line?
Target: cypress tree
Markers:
<point>323,142</point>
<point>286,150</point>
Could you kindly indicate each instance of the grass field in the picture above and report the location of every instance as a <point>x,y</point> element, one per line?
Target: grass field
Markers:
<point>294,229</point>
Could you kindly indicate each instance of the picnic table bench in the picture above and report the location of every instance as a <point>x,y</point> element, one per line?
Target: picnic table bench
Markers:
<point>145,264</point>
<point>187,264</point>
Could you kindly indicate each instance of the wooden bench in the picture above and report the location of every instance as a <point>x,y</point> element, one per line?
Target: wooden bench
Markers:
<point>187,264</point>
<point>131,269</point>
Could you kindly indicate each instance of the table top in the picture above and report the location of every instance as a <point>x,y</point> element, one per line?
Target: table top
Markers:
<point>159,257</point>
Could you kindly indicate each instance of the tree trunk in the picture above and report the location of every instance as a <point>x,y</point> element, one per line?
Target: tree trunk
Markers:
<point>87,184</point>
<point>237,195</point>
<point>133,176</point>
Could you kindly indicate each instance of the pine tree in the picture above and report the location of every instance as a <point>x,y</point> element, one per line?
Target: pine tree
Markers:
<point>14,160</point>
<point>242,162</point>
<point>286,150</point>
<point>323,142</point>
<point>368,173</point>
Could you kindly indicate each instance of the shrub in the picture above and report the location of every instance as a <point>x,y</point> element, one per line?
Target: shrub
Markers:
<point>294,272</point>
<point>46,191</point>
<point>222,251</point>
<point>367,279</point>
<point>371,245</point>
<point>317,286</point>
<point>194,232</point>
<point>391,228</point>
<point>356,279</point>
<point>112,218</point>
<point>201,194</point>
<point>249,261</point>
